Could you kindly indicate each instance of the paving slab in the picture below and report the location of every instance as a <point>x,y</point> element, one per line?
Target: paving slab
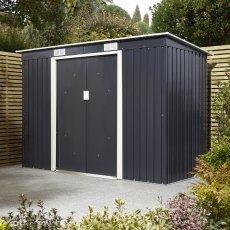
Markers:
<point>75,192</point>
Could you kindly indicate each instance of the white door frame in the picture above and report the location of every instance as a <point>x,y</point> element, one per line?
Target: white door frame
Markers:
<point>119,107</point>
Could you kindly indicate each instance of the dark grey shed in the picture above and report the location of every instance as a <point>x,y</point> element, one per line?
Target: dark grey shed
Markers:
<point>146,117</point>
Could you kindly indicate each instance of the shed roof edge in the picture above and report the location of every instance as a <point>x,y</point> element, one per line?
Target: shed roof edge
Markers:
<point>119,39</point>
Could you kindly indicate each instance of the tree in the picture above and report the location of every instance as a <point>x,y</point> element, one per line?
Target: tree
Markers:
<point>146,19</point>
<point>143,28</point>
<point>104,27</point>
<point>55,22</point>
<point>52,18</point>
<point>203,23</point>
<point>136,15</point>
<point>113,10</point>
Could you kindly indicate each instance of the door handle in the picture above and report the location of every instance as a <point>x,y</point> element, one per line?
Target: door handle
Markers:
<point>86,95</point>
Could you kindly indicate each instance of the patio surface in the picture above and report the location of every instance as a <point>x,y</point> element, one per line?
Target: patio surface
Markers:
<point>75,192</point>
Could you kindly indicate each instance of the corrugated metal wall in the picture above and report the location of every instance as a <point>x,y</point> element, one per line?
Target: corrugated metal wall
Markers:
<point>36,113</point>
<point>164,108</point>
<point>142,113</point>
<point>187,111</point>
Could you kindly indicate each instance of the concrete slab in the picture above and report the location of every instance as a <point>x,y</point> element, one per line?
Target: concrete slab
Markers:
<point>74,192</point>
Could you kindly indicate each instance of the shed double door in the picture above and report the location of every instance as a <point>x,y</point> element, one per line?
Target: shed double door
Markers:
<point>87,129</point>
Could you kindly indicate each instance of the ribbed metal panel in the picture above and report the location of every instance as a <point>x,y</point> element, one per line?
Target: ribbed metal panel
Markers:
<point>36,113</point>
<point>187,106</point>
<point>142,114</point>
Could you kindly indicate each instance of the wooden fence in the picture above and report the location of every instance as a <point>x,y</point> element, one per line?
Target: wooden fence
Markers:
<point>217,65</point>
<point>10,108</point>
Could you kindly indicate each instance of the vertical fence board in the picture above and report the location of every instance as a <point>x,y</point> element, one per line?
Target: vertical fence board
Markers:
<point>10,108</point>
<point>217,66</point>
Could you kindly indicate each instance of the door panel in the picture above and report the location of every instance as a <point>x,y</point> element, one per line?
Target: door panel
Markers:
<point>71,75</point>
<point>102,115</point>
<point>87,130</point>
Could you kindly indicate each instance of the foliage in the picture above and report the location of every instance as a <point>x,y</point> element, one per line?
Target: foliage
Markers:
<point>113,10</point>
<point>72,24</point>
<point>27,218</point>
<point>104,27</point>
<point>52,18</point>
<point>213,168</point>
<point>213,192</point>
<point>42,15</point>
<point>146,19</point>
<point>3,225</point>
<point>143,28</point>
<point>203,22</point>
<point>11,39</point>
<point>181,213</point>
<point>136,15</point>
<point>79,7</point>
<point>221,105</point>
<point>219,154</point>
<point>119,220</point>
<point>184,213</point>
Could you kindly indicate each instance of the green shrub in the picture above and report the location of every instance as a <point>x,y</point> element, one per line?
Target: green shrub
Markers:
<point>153,219</point>
<point>213,168</point>
<point>181,213</point>
<point>3,225</point>
<point>219,154</point>
<point>221,109</point>
<point>12,39</point>
<point>27,218</point>
<point>143,28</point>
<point>213,191</point>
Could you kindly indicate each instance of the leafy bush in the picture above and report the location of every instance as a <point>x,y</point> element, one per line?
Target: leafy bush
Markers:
<point>181,213</point>
<point>27,218</point>
<point>221,106</point>
<point>184,213</point>
<point>118,220</point>
<point>219,153</point>
<point>3,225</point>
<point>213,168</point>
<point>213,192</point>
<point>12,38</point>
<point>143,28</point>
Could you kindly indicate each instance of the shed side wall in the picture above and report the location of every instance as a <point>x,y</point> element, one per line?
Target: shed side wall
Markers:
<point>187,111</point>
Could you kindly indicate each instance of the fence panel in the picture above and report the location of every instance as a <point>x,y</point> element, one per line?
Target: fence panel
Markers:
<point>10,108</point>
<point>217,66</point>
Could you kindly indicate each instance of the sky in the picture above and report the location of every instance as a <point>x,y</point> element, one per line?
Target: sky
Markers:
<point>130,5</point>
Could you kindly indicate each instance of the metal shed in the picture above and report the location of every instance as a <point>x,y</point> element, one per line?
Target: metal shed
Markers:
<point>131,108</point>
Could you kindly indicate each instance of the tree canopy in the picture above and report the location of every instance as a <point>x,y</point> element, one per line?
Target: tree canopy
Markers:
<point>136,15</point>
<point>143,28</point>
<point>203,22</point>
<point>146,19</point>
<point>54,22</point>
<point>114,10</point>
